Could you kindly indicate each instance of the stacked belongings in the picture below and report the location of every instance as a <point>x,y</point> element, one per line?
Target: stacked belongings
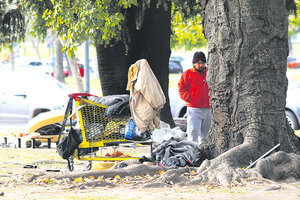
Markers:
<point>117,108</point>
<point>173,153</point>
<point>104,120</point>
<point>118,105</point>
<point>146,101</point>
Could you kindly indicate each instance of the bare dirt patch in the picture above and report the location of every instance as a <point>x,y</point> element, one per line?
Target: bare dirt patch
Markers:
<point>17,182</point>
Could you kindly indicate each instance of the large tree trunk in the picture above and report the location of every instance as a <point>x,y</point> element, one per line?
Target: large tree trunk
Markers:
<point>156,31</point>
<point>151,41</point>
<point>114,60</point>
<point>247,52</point>
<point>113,67</point>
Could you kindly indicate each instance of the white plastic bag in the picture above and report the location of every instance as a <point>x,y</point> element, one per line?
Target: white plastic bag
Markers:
<point>166,133</point>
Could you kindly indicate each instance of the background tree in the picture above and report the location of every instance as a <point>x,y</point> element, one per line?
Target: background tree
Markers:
<point>294,23</point>
<point>12,24</point>
<point>35,10</point>
<point>58,72</point>
<point>186,25</point>
<point>123,32</point>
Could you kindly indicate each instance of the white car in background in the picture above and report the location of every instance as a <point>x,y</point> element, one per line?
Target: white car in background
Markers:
<point>33,64</point>
<point>38,66</point>
<point>292,107</point>
<point>24,95</point>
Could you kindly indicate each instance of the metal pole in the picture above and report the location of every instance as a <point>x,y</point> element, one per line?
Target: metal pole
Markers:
<point>262,156</point>
<point>53,57</point>
<point>86,67</point>
<point>12,58</point>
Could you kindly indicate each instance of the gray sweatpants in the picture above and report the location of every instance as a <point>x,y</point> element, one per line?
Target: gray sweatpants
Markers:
<point>198,123</point>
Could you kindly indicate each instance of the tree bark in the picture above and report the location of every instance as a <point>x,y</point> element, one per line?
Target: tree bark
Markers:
<point>58,73</point>
<point>151,41</point>
<point>76,74</point>
<point>113,67</point>
<point>36,47</point>
<point>247,56</point>
<point>156,31</point>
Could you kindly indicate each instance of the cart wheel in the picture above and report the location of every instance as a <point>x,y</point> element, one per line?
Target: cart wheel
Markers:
<point>71,167</point>
<point>70,164</point>
<point>89,166</point>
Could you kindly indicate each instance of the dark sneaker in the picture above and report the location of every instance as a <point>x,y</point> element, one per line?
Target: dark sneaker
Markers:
<point>146,136</point>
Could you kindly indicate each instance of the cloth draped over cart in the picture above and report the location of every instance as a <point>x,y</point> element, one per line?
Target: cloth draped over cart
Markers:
<point>146,96</point>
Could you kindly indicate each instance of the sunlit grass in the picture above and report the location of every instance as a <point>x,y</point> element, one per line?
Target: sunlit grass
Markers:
<point>95,86</point>
<point>16,154</point>
<point>294,73</point>
<point>16,158</point>
<point>173,80</point>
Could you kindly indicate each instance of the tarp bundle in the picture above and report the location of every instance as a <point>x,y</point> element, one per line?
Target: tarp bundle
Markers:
<point>191,157</point>
<point>173,153</point>
<point>118,105</point>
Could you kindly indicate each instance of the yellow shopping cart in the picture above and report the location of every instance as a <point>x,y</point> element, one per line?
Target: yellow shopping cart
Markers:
<point>98,131</point>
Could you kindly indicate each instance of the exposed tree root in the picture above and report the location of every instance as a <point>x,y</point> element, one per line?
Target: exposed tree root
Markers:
<point>100,183</point>
<point>280,166</point>
<point>224,170</point>
<point>277,167</point>
<point>132,170</point>
<point>228,167</point>
<point>172,176</point>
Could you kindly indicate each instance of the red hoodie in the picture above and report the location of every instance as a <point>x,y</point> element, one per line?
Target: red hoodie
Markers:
<point>193,89</point>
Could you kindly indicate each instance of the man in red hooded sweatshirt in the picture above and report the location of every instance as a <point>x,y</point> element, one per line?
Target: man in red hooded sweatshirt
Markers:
<point>193,90</point>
